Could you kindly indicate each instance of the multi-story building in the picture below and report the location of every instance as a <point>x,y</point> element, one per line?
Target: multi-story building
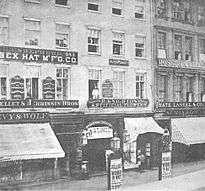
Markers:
<point>83,68</point>
<point>179,55</point>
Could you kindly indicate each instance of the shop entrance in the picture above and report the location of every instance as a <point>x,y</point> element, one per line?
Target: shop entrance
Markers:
<point>96,149</point>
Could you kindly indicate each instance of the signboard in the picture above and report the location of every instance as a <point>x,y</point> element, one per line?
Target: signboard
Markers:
<point>107,89</point>
<point>48,88</point>
<point>117,103</point>
<point>29,103</point>
<point>99,132</point>
<point>38,55</point>
<point>17,87</point>
<point>118,62</point>
<point>184,112</point>
<point>166,165</point>
<point>115,174</point>
<point>24,117</point>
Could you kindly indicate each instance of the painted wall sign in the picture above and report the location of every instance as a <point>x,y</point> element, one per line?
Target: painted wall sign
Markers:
<point>166,105</point>
<point>29,103</point>
<point>107,89</point>
<point>17,87</point>
<point>118,62</point>
<point>117,103</point>
<point>23,117</point>
<point>184,112</point>
<point>48,88</point>
<point>38,55</point>
<point>166,165</point>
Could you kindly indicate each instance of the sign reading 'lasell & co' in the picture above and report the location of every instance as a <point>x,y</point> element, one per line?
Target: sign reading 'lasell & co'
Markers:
<point>38,55</point>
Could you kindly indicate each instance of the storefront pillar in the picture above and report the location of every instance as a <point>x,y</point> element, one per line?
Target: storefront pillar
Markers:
<point>56,168</point>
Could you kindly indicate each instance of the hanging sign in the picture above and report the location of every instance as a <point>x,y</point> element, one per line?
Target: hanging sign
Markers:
<point>107,89</point>
<point>48,88</point>
<point>166,165</point>
<point>17,88</point>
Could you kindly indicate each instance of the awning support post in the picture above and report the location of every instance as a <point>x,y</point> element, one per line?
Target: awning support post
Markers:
<point>55,167</point>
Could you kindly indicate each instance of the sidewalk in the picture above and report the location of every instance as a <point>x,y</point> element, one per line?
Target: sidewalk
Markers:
<point>99,183</point>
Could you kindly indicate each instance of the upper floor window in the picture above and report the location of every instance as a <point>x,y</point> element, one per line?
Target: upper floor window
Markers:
<point>61,2</point>
<point>202,89</point>
<point>4,30</point>
<point>178,47</point>
<point>93,41</point>
<point>118,43</point>
<point>182,11</point>
<point>189,89</point>
<point>161,45</point>
<point>162,87</point>
<point>140,86</point>
<point>3,87</point>
<point>139,12</point>
<point>118,84</point>
<point>32,33</point>
<point>117,7</point>
<point>94,83</point>
<point>62,35</point>
<point>188,48</point>
<point>62,77</point>
<point>201,15</point>
<point>31,88</point>
<point>178,88</point>
<point>94,5</point>
<point>140,46</point>
<point>202,50</point>
<point>161,8</point>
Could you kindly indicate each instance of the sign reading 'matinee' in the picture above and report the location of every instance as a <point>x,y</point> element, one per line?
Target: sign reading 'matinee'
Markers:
<point>38,55</point>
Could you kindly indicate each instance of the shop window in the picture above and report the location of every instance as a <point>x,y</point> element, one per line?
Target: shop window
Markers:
<point>161,8</point>
<point>178,88</point>
<point>201,15</point>
<point>62,35</point>
<point>3,30</point>
<point>94,83</point>
<point>140,86</point>
<point>62,83</point>
<point>61,2</point>
<point>139,12</point>
<point>117,7</point>
<point>162,87</point>
<point>202,50</point>
<point>94,5</point>
<point>161,45</point>
<point>32,33</point>
<point>188,48</point>
<point>189,89</point>
<point>31,88</point>
<point>202,89</point>
<point>140,46</point>
<point>118,43</point>
<point>118,84</point>
<point>93,41</point>
<point>3,88</point>
<point>178,47</point>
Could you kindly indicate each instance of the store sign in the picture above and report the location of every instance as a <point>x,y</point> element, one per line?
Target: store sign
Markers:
<point>116,174</point>
<point>29,103</point>
<point>118,62</point>
<point>117,103</point>
<point>185,112</point>
<point>48,88</point>
<point>107,89</point>
<point>24,117</point>
<point>17,87</point>
<point>38,55</point>
<point>99,132</point>
<point>166,165</point>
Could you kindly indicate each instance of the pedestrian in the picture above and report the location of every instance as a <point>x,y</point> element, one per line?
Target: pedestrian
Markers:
<point>140,160</point>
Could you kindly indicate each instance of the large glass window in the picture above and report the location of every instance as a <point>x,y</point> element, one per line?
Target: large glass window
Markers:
<point>62,77</point>
<point>202,50</point>
<point>94,5</point>
<point>3,88</point>
<point>94,83</point>
<point>162,87</point>
<point>32,33</point>
<point>188,48</point>
<point>202,88</point>
<point>139,12</point>
<point>161,8</point>
<point>118,84</point>
<point>61,2</point>
<point>161,45</point>
<point>62,35</point>
<point>178,88</point>
<point>93,41</point>
<point>178,47</point>
<point>118,43</point>
<point>117,7</point>
<point>140,46</point>
<point>31,88</point>
<point>3,30</point>
<point>140,86</point>
<point>189,89</point>
<point>201,15</point>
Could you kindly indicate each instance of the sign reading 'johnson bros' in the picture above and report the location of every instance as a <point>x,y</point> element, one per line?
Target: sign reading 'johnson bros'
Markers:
<point>38,55</point>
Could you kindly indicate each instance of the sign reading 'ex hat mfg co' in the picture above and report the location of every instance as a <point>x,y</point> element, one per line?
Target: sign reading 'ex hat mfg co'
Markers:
<point>38,55</point>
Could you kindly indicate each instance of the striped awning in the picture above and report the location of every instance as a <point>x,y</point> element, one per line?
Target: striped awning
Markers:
<point>28,141</point>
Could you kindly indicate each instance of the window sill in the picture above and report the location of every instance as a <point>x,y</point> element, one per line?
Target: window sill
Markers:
<point>140,58</point>
<point>94,54</point>
<point>118,56</point>
<point>62,48</point>
<point>120,16</point>
<point>33,1</point>
<point>138,19</point>
<point>96,12</point>
<point>62,6</point>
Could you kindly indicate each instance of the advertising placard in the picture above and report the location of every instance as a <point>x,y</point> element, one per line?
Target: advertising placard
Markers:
<point>166,165</point>
<point>48,88</point>
<point>17,87</point>
<point>107,89</point>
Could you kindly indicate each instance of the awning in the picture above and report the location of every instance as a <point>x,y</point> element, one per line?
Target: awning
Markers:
<point>188,130</point>
<point>141,125</point>
<point>28,141</point>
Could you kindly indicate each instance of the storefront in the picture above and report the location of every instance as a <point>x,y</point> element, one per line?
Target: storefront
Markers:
<point>29,149</point>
